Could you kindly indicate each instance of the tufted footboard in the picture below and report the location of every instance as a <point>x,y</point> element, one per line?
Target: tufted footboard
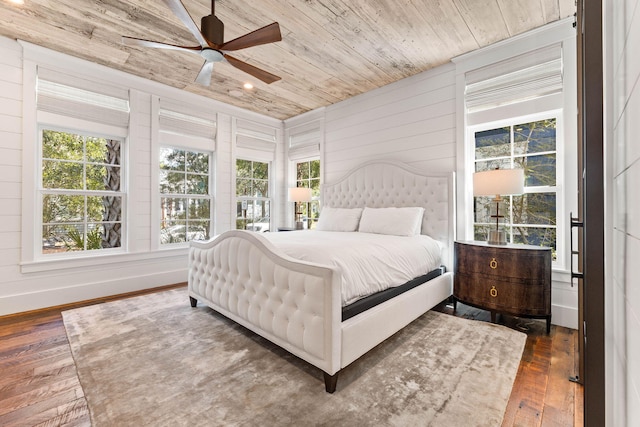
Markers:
<point>294,304</point>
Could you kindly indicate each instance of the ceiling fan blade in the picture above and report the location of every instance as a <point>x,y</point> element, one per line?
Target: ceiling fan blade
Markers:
<point>204,76</point>
<point>132,41</point>
<point>250,69</point>
<point>264,35</point>
<point>180,11</point>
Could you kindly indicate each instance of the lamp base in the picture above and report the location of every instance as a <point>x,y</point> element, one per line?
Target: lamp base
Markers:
<point>497,237</point>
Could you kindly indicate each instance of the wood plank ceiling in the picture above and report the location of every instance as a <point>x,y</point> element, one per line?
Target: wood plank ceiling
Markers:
<point>331,50</point>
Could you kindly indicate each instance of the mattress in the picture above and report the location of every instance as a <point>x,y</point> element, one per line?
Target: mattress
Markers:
<point>370,301</point>
<point>369,263</point>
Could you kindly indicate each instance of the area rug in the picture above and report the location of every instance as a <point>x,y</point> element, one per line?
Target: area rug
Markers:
<point>153,360</point>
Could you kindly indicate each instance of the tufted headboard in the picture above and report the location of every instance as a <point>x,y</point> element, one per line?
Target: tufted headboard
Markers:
<point>386,183</point>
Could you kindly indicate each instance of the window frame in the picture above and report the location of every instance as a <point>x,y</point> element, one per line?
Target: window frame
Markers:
<point>172,144</point>
<point>58,123</point>
<point>179,138</point>
<point>315,198</point>
<point>241,199</point>
<point>558,189</point>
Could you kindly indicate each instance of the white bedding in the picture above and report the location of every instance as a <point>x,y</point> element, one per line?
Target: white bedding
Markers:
<point>369,262</point>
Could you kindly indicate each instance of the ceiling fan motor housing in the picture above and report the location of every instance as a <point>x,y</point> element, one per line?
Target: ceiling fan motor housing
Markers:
<point>212,29</point>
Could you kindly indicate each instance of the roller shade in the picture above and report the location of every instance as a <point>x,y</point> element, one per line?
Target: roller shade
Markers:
<point>185,124</point>
<point>179,118</point>
<point>255,141</point>
<point>65,95</point>
<point>304,141</point>
<point>535,74</point>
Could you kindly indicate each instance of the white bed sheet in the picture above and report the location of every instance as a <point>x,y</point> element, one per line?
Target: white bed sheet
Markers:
<point>369,262</point>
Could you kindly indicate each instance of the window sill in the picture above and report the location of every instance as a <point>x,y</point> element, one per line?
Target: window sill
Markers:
<point>97,261</point>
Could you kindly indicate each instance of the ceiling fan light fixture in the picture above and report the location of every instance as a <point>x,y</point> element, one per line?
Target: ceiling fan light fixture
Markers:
<point>211,55</point>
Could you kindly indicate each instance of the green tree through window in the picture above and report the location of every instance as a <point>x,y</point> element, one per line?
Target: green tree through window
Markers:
<point>81,195</point>
<point>185,199</point>
<point>252,196</point>
<point>308,176</point>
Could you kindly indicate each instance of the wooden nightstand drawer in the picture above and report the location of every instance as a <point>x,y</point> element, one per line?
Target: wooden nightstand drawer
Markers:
<point>504,296</point>
<point>502,262</point>
<point>511,279</point>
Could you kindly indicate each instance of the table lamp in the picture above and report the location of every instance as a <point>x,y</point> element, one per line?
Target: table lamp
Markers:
<point>497,183</point>
<point>299,195</point>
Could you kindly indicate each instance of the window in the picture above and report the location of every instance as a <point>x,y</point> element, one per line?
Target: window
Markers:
<point>308,176</point>
<point>79,187</point>
<point>519,110</point>
<point>81,192</point>
<point>185,197</point>
<point>253,196</point>
<point>530,145</point>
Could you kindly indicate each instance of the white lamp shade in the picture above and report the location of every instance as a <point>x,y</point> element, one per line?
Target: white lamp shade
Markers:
<point>299,194</point>
<point>498,182</point>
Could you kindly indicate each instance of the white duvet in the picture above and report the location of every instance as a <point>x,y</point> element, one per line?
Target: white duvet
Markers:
<point>369,262</point>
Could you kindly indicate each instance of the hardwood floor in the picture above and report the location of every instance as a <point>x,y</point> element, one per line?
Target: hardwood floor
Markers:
<point>542,394</point>
<point>39,385</point>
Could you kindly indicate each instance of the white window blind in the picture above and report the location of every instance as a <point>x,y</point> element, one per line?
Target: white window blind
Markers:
<point>531,75</point>
<point>255,141</point>
<point>304,140</point>
<point>72,96</point>
<point>186,124</point>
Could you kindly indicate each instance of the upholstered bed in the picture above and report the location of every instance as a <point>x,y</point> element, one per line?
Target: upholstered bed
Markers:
<point>297,304</point>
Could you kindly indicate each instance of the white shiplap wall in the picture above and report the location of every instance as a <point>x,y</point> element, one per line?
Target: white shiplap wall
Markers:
<point>140,171</point>
<point>622,280</point>
<point>225,210</point>
<point>412,120</point>
<point>10,157</point>
<point>33,285</point>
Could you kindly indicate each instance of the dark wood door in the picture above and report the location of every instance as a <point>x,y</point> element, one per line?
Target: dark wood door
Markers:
<point>591,118</point>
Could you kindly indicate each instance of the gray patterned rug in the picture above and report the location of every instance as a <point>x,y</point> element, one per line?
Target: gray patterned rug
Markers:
<point>155,361</point>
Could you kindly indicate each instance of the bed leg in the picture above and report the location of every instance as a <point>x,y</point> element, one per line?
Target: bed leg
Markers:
<point>330,382</point>
<point>193,301</point>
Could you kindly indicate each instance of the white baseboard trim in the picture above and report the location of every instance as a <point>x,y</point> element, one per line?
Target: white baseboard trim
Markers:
<point>18,303</point>
<point>564,316</point>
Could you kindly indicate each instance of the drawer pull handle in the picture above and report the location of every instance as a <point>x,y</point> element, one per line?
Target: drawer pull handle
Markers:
<point>493,264</point>
<point>493,291</point>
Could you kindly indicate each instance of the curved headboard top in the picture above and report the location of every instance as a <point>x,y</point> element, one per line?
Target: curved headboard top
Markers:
<point>387,183</point>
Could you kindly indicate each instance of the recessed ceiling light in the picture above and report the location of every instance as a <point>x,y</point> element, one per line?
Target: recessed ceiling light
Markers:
<point>248,86</point>
<point>17,1</point>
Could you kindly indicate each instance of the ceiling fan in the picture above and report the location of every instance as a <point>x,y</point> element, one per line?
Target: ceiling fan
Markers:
<point>212,46</point>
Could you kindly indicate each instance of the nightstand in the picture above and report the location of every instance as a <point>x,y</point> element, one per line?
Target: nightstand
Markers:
<point>509,279</point>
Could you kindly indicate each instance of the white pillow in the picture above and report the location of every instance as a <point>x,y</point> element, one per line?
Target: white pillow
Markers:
<point>394,221</point>
<point>339,219</point>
